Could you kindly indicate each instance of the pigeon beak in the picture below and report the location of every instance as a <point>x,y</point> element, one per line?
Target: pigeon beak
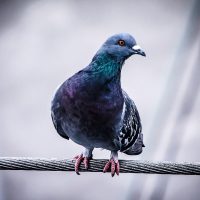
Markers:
<point>137,50</point>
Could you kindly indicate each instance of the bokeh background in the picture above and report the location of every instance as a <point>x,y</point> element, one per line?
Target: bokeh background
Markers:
<point>42,43</point>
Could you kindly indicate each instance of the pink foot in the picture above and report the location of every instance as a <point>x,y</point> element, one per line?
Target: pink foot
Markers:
<point>80,158</point>
<point>114,165</point>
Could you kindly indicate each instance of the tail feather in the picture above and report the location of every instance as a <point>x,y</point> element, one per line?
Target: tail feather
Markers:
<point>136,148</point>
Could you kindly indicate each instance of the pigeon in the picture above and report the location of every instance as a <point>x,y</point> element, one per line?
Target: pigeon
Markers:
<point>92,110</point>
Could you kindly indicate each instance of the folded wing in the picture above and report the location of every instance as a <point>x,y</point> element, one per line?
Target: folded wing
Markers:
<point>131,138</point>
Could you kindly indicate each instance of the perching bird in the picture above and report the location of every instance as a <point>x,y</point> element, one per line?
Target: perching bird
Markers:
<point>91,108</point>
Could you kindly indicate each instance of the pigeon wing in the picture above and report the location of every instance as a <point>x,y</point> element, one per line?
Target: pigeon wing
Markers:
<point>131,132</point>
<point>57,113</point>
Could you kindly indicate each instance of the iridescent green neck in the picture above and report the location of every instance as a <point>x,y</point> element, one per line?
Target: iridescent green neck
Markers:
<point>106,66</point>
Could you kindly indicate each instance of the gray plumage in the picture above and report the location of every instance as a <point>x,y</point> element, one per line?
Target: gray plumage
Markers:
<point>92,109</point>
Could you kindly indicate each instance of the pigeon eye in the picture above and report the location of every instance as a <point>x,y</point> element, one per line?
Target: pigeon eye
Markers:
<point>121,42</point>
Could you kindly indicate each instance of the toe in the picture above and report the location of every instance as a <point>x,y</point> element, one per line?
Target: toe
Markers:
<point>117,168</point>
<point>107,166</point>
<point>77,163</point>
<point>112,168</point>
<point>86,162</point>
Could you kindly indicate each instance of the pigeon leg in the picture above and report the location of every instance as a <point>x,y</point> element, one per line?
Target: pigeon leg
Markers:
<point>85,157</point>
<point>112,164</point>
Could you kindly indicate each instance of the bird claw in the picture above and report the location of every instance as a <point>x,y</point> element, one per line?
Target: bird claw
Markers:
<point>114,166</point>
<point>78,159</point>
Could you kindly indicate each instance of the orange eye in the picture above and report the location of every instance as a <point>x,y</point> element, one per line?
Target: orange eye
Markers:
<point>121,42</point>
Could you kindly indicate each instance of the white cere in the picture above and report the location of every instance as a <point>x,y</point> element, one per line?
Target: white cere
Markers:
<point>136,47</point>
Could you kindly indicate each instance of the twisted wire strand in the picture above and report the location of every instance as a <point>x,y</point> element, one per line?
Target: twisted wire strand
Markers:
<point>126,166</point>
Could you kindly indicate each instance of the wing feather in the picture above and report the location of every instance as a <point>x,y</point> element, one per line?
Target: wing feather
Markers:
<point>57,113</point>
<point>131,132</point>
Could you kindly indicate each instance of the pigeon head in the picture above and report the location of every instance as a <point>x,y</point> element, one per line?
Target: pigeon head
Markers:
<point>121,46</point>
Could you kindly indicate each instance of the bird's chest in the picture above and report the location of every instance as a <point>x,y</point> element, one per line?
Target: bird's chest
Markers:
<point>98,107</point>
<point>103,106</point>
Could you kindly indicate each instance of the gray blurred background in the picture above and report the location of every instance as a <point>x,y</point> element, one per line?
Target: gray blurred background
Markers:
<point>42,43</point>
